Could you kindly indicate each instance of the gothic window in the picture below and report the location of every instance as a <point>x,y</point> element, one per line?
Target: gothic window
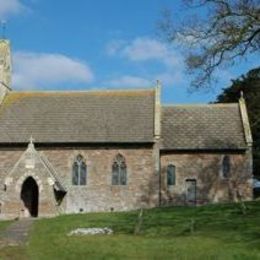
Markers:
<point>226,167</point>
<point>119,171</point>
<point>171,175</point>
<point>79,171</point>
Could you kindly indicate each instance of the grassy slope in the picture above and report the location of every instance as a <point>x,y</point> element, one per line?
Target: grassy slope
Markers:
<point>4,224</point>
<point>220,232</point>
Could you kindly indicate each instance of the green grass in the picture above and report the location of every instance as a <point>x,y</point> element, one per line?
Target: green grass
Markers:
<point>219,232</point>
<point>10,252</point>
<point>4,224</point>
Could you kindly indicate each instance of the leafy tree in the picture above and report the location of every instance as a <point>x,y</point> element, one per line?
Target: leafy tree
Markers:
<point>250,85</point>
<point>225,31</point>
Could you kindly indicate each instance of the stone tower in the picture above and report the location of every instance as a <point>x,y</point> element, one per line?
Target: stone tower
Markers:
<point>5,68</point>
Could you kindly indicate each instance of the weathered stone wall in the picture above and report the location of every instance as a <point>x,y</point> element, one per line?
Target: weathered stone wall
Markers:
<point>98,195</point>
<point>15,167</point>
<point>205,168</point>
<point>5,68</point>
<point>142,189</point>
<point>7,160</point>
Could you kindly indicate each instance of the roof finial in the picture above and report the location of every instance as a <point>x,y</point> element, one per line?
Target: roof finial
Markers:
<point>31,144</point>
<point>3,27</point>
<point>158,83</point>
<point>31,140</point>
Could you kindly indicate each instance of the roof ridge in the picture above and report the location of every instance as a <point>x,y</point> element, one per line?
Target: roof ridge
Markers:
<point>199,105</point>
<point>83,91</point>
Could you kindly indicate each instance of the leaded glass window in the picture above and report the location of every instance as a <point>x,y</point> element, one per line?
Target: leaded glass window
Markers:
<point>119,171</point>
<point>79,171</point>
<point>226,167</point>
<point>171,178</point>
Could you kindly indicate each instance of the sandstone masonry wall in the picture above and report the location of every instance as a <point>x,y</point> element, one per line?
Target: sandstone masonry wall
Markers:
<point>98,195</point>
<point>205,168</point>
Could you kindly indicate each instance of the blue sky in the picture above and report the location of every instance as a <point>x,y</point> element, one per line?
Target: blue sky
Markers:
<point>83,44</point>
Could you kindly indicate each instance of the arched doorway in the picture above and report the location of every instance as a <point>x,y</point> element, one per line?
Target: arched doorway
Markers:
<point>30,196</point>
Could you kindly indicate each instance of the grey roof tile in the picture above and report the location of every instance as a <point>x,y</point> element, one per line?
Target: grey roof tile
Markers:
<point>91,116</point>
<point>213,126</point>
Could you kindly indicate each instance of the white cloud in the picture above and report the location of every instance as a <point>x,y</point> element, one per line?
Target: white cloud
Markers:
<point>142,49</point>
<point>135,81</point>
<point>147,50</point>
<point>10,7</point>
<point>114,46</point>
<point>38,70</point>
<point>169,78</point>
<point>129,81</point>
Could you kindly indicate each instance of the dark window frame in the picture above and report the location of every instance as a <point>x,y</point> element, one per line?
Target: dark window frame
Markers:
<point>226,167</point>
<point>79,171</point>
<point>119,171</point>
<point>171,175</point>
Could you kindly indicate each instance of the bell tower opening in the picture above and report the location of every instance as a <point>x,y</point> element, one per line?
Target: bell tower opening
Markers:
<point>30,196</point>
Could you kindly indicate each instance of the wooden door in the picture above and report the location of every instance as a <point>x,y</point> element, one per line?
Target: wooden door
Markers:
<point>191,191</point>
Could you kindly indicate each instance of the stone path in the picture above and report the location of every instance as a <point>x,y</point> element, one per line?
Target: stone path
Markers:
<point>16,234</point>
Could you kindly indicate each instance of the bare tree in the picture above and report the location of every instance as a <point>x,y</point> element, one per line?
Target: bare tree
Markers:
<point>225,31</point>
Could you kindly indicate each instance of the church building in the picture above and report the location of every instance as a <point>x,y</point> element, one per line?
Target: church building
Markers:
<point>67,152</point>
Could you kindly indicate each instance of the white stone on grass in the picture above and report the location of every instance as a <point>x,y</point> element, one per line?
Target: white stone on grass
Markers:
<point>90,231</point>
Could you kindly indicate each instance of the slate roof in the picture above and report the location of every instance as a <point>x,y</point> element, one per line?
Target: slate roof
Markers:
<point>192,127</point>
<point>114,116</point>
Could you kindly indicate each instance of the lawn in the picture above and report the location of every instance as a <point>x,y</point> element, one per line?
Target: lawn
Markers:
<point>208,232</point>
<point>4,224</point>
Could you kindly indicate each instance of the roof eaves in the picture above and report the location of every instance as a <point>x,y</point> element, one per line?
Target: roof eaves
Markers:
<point>205,149</point>
<point>200,105</point>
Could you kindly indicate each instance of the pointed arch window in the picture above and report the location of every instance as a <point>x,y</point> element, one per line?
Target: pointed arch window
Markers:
<point>79,171</point>
<point>119,171</point>
<point>226,167</point>
<point>171,175</point>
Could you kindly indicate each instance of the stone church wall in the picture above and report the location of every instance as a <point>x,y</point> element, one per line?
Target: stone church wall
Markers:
<point>13,173</point>
<point>98,195</point>
<point>7,160</point>
<point>205,168</point>
<point>142,189</point>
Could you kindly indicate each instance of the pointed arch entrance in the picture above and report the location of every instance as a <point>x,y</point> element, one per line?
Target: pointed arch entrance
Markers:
<point>30,196</point>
